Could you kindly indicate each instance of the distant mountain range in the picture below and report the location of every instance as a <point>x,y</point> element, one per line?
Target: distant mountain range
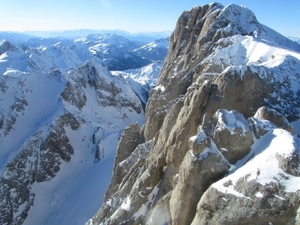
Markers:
<point>62,112</point>
<point>296,39</point>
<point>74,34</point>
<point>111,50</point>
<point>109,127</point>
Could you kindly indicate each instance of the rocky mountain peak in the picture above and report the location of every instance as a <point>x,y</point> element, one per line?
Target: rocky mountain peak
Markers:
<point>206,41</point>
<point>219,103</point>
<point>5,46</point>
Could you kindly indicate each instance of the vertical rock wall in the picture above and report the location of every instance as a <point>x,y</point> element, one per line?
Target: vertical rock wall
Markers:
<point>200,124</point>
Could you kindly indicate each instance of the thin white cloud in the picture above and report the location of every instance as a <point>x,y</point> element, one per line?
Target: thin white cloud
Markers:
<point>28,20</point>
<point>107,3</point>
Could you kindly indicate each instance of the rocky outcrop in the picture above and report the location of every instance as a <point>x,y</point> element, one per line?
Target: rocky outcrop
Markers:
<point>39,160</point>
<point>118,206</point>
<point>265,113</point>
<point>7,46</point>
<point>130,139</point>
<point>233,132</point>
<point>259,192</point>
<point>214,112</point>
<point>222,208</point>
<point>195,175</point>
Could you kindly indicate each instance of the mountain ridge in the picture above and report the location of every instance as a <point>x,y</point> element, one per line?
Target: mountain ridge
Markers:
<point>144,37</point>
<point>225,83</point>
<point>71,120</point>
<point>46,54</point>
<point>219,144</point>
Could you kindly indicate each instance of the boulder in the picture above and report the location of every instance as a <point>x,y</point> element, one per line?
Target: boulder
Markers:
<point>265,113</point>
<point>232,135</point>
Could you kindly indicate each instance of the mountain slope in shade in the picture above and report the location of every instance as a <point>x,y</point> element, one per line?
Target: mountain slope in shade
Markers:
<point>47,54</point>
<point>226,98</point>
<point>114,51</point>
<point>142,80</point>
<point>58,137</point>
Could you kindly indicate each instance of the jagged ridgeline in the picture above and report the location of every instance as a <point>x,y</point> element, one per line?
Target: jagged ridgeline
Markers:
<point>57,132</point>
<point>220,138</point>
<point>62,111</point>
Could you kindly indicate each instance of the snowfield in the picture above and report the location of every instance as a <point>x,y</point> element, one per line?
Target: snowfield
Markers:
<point>57,86</point>
<point>262,165</point>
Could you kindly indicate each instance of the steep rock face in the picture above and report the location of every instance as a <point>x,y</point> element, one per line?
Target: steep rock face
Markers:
<point>237,137</point>
<point>206,42</point>
<point>6,46</point>
<point>215,111</point>
<point>129,202</point>
<point>131,138</point>
<point>195,175</point>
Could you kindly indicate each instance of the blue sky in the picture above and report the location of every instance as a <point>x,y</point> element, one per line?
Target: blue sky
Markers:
<point>132,15</point>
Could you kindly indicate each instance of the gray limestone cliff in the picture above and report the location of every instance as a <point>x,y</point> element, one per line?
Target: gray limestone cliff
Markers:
<point>215,100</point>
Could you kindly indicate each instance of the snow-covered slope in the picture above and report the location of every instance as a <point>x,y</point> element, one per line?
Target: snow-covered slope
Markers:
<point>43,55</point>
<point>47,54</point>
<point>110,50</point>
<point>263,186</point>
<point>267,57</point>
<point>156,50</point>
<point>114,51</point>
<point>61,115</point>
<point>58,138</point>
<point>142,80</point>
<point>143,37</point>
<point>262,165</point>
